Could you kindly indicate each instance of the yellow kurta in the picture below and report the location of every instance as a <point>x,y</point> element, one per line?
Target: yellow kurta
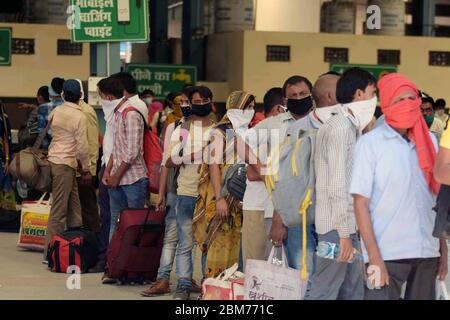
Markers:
<point>220,240</point>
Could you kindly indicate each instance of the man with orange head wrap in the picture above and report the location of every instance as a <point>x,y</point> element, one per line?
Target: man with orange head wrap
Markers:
<point>394,194</point>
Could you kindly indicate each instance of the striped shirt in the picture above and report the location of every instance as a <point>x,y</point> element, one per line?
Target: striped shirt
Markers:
<point>128,145</point>
<point>335,143</point>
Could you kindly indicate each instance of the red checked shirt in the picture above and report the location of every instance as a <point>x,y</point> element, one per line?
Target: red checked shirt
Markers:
<point>128,145</point>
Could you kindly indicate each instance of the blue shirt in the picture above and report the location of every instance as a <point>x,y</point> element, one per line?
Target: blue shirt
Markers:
<point>386,170</point>
<point>44,111</point>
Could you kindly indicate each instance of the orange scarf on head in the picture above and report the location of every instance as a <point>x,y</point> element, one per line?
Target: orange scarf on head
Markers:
<point>406,114</point>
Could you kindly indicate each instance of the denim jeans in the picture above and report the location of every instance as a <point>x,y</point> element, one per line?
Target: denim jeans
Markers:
<point>293,245</point>
<point>184,207</point>
<point>170,239</point>
<point>130,196</point>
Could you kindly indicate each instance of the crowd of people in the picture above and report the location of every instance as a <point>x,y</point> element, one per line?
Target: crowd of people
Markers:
<point>377,175</point>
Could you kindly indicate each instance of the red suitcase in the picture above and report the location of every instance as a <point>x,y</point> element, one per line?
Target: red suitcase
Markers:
<point>135,248</point>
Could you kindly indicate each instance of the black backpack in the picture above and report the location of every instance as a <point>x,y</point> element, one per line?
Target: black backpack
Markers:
<point>74,247</point>
<point>442,224</point>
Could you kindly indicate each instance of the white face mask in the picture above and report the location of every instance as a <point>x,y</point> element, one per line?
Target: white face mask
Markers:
<point>440,113</point>
<point>240,119</point>
<point>108,107</point>
<point>363,111</point>
<point>148,101</point>
<point>326,113</point>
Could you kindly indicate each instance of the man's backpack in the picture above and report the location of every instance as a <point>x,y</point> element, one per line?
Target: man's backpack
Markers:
<point>31,165</point>
<point>291,179</point>
<point>152,153</point>
<point>442,224</point>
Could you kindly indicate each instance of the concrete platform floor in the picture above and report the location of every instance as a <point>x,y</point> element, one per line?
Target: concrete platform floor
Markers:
<point>23,276</point>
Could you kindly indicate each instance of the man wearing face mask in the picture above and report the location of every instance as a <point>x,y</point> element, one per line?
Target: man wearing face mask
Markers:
<point>254,236</point>
<point>297,95</point>
<point>324,94</point>
<point>340,277</point>
<point>69,145</point>
<point>131,92</point>
<point>394,194</point>
<point>111,93</point>
<point>166,201</point>
<point>434,124</point>
<point>185,150</point>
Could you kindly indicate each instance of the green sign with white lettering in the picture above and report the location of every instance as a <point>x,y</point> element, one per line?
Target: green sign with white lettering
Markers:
<point>109,20</point>
<point>5,46</point>
<point>162,79</point>
<point>376,70</point>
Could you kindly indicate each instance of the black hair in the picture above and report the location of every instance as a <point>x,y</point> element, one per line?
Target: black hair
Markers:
<point>171,96</point>
<point>147,92</point>
<point>57,84</point>
<point>128,82</point>
<point>428,99</point>
<point>111,86</point>
<point>43,92</point>
<point>350,81</point>
<point>272,98</point>
<point>187,90</point>
<point>250,99</point>
<point>203,91</point>
<point>440,103</point>
<point>294,80</point>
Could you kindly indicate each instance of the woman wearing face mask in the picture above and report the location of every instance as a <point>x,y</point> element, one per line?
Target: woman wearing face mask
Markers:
<point>217,219</point>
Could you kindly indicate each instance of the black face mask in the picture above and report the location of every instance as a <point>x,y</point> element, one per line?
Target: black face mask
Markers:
<point>300,107</point>
<point>187,111</point>
<point>201,110</point>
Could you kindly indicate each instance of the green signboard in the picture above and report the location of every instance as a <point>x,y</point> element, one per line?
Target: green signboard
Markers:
<point>376,70</point>
<point>162,79</point>
<point>109,20</point>
<point>5,46</point>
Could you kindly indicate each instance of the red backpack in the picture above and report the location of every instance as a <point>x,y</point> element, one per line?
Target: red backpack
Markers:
<point>152,153</point>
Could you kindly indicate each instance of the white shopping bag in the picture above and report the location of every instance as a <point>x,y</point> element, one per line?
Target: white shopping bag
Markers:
<point>441,291</point>
<point>273,280</point>
<point>229,285</point>
<point>33,224</point>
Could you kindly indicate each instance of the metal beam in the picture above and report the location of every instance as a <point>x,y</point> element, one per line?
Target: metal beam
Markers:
<point>424,13</point>
<point>158,48</point>
<point>105,59</point>
<point>193,36</point>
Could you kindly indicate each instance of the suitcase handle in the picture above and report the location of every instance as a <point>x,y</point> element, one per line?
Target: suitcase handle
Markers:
<point>144,225</point>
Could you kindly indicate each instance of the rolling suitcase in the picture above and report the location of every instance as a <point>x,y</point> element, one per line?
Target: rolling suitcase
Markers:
<point>135,248</point>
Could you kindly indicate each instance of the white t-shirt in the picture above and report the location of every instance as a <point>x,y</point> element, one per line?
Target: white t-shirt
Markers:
<point>255,196</point>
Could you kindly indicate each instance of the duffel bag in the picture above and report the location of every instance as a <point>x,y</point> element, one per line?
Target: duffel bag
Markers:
<point>76,247</point>
<point>31,165</point>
